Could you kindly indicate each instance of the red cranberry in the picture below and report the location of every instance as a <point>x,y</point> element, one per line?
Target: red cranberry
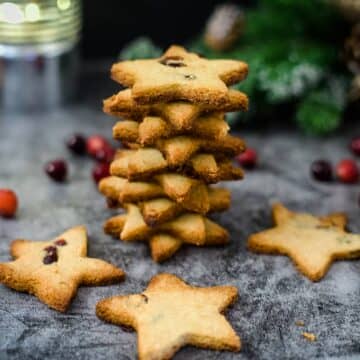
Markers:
<point>50,258</point>
<point>355,145</point>
<point>100,171</point>
<point>8,203</point>
<point>95,143</point>
<point>321,170</point>
<point>248,158</point>
<point>77,144</point>
<point>347,171</point>
<point>57,170</point>
<point>105,154</point>
<point>60,242</point>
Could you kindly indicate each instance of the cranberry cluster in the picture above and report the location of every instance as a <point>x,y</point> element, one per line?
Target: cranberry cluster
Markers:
<point>347,170</point>
<point>95,146</point>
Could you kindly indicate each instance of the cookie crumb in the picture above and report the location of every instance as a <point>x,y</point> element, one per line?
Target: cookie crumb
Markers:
<point>299,323</point>
<point>309,336</point>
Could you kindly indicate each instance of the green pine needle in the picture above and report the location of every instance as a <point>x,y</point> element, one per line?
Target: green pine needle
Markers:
<point>319,113</point>
<point>291,54</point>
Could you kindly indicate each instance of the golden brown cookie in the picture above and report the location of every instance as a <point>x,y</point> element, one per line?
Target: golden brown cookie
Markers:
<point>181,115</point>
<point>160,210</point>
<point>170,314</point>
<point>164,245</point>
<point>166,238</point>
<point>189,227</point>
<point>179,149</point>
<point>190,193</point>
<point>53,270</point>
<point>312,242</point>
<point>143,163</point>
<point>153,128</point>
<point>208,169</point>
<point>179,75</point>
<point>138,164</point>
<point>122,190</point>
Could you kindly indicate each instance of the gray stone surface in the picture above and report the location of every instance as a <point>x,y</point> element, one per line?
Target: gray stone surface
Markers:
<point>273,295</point>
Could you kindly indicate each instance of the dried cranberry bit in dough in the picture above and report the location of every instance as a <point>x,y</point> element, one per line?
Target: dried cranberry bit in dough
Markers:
<point>146,299</point>
<point>51,255</point>
<point>173,61</point>
<point>60,242</point>
<point>50,249</point>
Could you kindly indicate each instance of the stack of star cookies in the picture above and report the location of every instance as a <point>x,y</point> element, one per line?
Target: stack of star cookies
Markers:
<point>176,144</point>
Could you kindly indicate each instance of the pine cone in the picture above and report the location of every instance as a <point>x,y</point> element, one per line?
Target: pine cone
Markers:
<point>224,27</point>
<point>354,92</point>
<point>352,50</point>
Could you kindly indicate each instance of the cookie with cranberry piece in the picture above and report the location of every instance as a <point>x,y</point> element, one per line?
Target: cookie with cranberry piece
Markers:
<point>312,242</point>
<point>179,75</point>
<point>53,270</point>
<point>181,115</point>
<point>171,314</point>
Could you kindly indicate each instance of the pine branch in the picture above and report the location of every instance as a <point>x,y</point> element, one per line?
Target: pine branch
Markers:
<point>320,112</point>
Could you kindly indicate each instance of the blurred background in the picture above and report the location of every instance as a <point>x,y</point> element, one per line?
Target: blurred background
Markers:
<point>165,22</point>
<point>304,56</point>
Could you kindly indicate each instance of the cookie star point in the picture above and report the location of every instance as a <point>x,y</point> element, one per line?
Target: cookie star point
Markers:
<point>312,242</point>
<point>53,270</point>
<point>170,314</point>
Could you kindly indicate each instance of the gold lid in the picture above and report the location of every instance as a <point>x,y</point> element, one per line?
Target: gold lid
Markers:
<point>39,21</point>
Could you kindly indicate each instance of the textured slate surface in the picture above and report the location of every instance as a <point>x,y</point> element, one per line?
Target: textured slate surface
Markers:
<point>273,295</point>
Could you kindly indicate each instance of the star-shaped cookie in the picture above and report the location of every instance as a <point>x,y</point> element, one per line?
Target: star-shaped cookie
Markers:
<point>190,193</point>
<point>179,75</point>
<point>181,115</point>
<point>153,128</point>
<point>167,238</point>
<point>312,242</point>
<point>170,314</point>
<point>143,163</point>
<point>53,270</point>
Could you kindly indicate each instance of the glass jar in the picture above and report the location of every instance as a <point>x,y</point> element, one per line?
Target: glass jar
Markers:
<point>38,53</point>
